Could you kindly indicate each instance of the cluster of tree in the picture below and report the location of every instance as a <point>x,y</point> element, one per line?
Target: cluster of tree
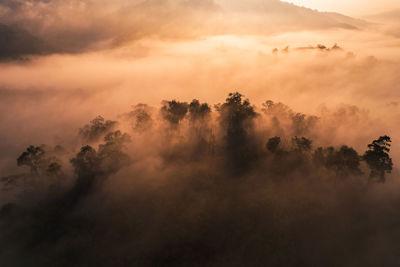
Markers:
<point>344,161</point>
<point>238,145</point>
<point>319,47</point>
<point>96,128</point>
<point>41,162</point>
<point>240,149</point>
<point>236,118</point>
<point>140,117</point>
<point>284,119</point>
<point>174,111</point>
<point>198,193</point>
<point>92,167</point>
<point>108,159</point>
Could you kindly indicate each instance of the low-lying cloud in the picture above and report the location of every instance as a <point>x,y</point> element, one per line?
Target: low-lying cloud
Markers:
<point>106,159</point>
<point>47,27</point>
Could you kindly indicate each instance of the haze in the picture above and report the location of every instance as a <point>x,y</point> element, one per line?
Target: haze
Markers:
<point>355,8</point>
<point>199,133</point>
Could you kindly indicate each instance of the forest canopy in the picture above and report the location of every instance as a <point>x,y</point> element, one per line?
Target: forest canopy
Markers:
<point>189,166</point>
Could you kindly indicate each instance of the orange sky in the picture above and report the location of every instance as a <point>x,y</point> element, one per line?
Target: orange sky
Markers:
<point>353,7</point>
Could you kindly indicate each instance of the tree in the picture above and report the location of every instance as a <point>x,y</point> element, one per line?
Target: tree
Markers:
<point>174,111</point>
<point>54,169</point>
<point>378,159</point>
<point>96,128</point>
<point>324,157</point>
<point>198,111</point>
<point>346,161</point>
<point>93,166</point>
<point>272,108</point>
<point>302,144</point>
<point>40,161</point>
<point>110,155</point>
<point>236,114</point>
<point>108,159</point>
<point>236,119</point>
<point>301,123</point>
<point>200,134</point>
<point>273,144</point>
<point>343,162</point>
<point>279,113</point>
<point>86,162</point>
<point>140,117</point>
<point>33,157</point>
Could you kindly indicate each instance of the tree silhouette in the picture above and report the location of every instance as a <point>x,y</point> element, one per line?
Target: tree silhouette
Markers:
<point>273,144</point>
<point>378,159</point>
<point>54,169</point>
<point>198,111</point>
<point>86,166</point>
<point>301,123</point>
<point>236,114</point>
<point>174,111</point>
<point>96,128</point>
<point>86,162</point>
<point>108,159</point>
<point>324,157</point>
<point>200,135</point>
<point>347,161</point>
<point>110,155</point>
<point>33,157</point>
<point>39,161</point>
<point>140,117</point>
<point>301,144</point>
<point>272,108</point>
<point>297,123</point>
<point>342,162</point>
<point>236,119</point>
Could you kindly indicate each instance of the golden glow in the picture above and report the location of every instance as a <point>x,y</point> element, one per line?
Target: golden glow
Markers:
<point>353,7</point>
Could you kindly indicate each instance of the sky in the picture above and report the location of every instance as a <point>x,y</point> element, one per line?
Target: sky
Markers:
<point>353,7</point>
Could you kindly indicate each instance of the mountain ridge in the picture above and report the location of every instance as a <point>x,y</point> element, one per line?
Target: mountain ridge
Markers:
<point>171,19</point>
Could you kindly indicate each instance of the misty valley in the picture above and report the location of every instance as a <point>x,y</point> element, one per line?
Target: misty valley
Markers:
<point>191,184</point>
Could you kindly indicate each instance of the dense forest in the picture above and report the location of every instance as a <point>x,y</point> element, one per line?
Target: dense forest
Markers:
<point>190,184</point>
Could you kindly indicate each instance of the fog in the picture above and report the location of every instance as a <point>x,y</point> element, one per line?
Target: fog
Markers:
<point>161,180</point>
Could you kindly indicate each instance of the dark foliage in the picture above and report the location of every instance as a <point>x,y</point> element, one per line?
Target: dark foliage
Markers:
<point>182,208</point>
<point>378,159</point>
<point>236,117</point>
<point>199,111</point>
<point>343,162</point>
<point>174,111</point>
<point>109,158</point>
<point>140,117</point>
<point>300,124</point>
<point>273,144</point>
<point>39,161</point>
<point>33,157</point>
<point>301,145</point>
<point>96,129</point>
